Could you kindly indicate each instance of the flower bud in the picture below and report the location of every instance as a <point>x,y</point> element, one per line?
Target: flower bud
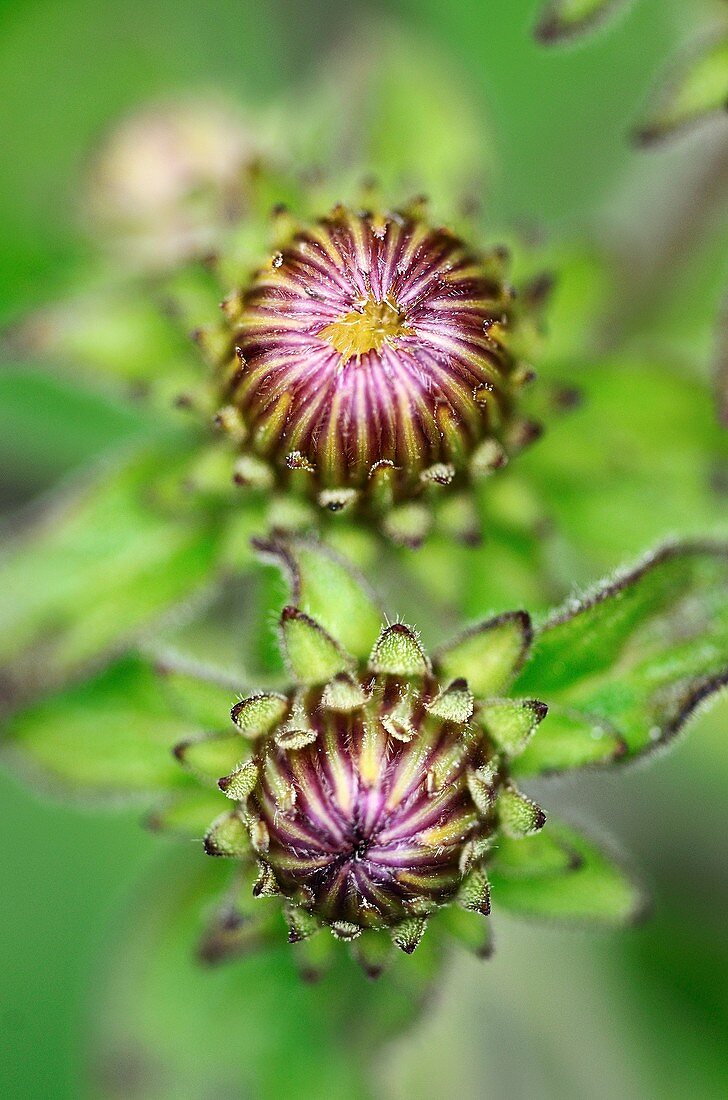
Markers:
<point>169,177</point>
<point>370,795</point>
<point>374,360</point>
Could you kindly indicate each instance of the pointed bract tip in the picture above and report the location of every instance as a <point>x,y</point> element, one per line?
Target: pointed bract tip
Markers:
<point>397,652</point>
<point>266,884</point>
<point>301,923</point>
<point>455,704</point>
<point>408,935</point>
<point>511,723</point>
<point>258,714</point>
<point>519,815</point>
<point>228,837</point>
<point>239,784</point>
<point>474,893</point>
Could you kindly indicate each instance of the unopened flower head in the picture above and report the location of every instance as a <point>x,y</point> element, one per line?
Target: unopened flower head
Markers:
<point>372,360</point>
<point>372,364</point>
<point>366,810</point>
<point>374,789</point>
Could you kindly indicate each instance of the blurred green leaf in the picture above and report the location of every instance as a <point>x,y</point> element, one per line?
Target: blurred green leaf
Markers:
<point>112,735</point>
<point>634,659</point>
<point>196,693</point>
<point>99,567</point>
<point>588,888</point>
<point>211,755</point>
<point>251,1027</point>
<point>505,570</point>
<point>408,121</point>
<point>394,107</point>
<point>584,498</point>
<point>676,965</point>
<point>67,426</point>
<point>567,18</point>
<point>697,90</point>
<point>228,640</point>
<point>720,369</point>
<point>581,295</point>
<point>124,339</point>
<point>188,813</point>
<point>639,459</point>
<point>534,856</point>
<point>512,566</point>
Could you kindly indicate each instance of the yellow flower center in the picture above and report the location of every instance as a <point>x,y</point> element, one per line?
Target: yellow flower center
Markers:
<point>366,329</point>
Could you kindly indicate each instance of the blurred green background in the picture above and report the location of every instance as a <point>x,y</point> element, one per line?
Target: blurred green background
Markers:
<point>643,1013</point>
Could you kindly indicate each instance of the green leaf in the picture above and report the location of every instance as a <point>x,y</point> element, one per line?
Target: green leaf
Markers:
<point>250,1027</point>
<point>327,588</point>
<point>117,339</point>
<point>188,813</point>
<point>720,366</point>
<point>568,740</point>
<point>636,657</point>
<point>544,853</point>
<point>394,113</point>
<point>223,644</point>
<point>470,928</point>
<point>581,292</point>
<point>590,889</point>
<point>640,425</point>
<point>211,756</point>
<point>94,572</point>
<point>373,952</point>
<point>195,693</point>
<point>564,19</point>
<point>112,735</point>
<point>413,98</point>
<point>697,90</point>
<point>488,655</point>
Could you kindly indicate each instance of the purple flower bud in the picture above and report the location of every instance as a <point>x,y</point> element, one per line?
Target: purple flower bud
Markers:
<point>376,360</point>
<point>368,820</point>
<point>374,790</point>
